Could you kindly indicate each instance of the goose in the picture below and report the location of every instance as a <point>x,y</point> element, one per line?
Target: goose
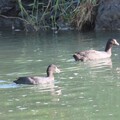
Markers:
<point>38,79</point>
<point>94,54</point>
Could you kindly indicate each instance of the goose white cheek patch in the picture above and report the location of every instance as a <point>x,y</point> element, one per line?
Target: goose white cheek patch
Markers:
<point>57,70</point>
<point>116,43</point>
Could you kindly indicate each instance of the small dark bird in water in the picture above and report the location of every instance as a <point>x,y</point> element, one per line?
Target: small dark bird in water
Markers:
<point>96,55</point>
<point>37,79</point>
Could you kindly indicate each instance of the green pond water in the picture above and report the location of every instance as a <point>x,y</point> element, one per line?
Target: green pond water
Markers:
<point>82,91</point>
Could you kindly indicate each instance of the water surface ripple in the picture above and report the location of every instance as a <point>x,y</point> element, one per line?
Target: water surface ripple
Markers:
<point>82,91</point>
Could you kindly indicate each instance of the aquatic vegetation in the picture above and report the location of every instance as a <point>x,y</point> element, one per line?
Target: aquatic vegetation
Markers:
<point>45,14</point>
<point>84,14</point>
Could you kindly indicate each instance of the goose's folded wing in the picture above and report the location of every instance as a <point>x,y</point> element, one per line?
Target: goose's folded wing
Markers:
<point>97,55</point>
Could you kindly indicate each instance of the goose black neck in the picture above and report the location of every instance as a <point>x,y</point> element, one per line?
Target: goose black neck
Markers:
<point>50,74</point>
<point>108,46</point>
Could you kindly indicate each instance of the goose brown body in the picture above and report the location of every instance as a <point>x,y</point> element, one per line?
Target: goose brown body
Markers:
<point>37,79</point>
<point>94,54</point>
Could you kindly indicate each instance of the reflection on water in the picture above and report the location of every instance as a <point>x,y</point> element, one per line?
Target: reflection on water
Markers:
<point>8,86</point>
<point>86,91</point>
<point>1,81</point>
<point>51,87</point>
<point>100,63</point>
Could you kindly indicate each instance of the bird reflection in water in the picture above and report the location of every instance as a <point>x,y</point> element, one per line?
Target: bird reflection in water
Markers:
<point>100,63</point>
